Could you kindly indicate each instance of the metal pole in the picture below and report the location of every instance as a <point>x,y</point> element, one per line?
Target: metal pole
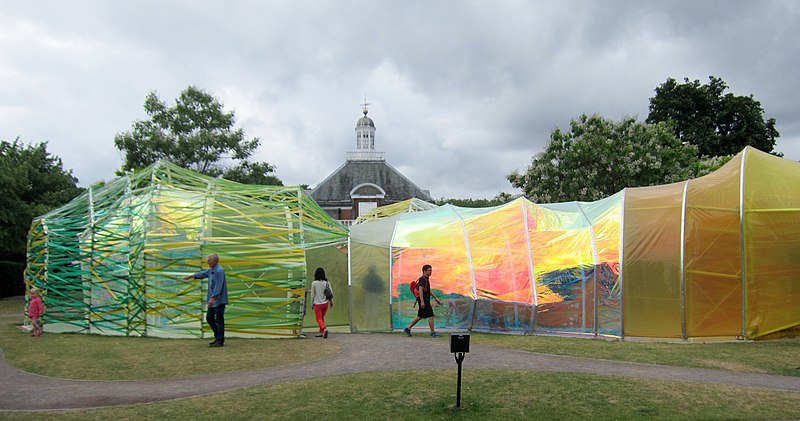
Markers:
<point>684,203</point>
<point>459,359</point>
<point>743,248</point>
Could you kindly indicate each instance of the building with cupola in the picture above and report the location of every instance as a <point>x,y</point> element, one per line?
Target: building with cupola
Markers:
<point>365,181</point>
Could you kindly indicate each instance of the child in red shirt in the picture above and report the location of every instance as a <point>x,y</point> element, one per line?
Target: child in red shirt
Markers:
<point>36,311</point>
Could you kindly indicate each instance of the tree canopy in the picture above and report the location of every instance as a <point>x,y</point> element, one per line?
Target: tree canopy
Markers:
<point>196,133</point>
<point>598,157</point>
<point>500,199</point>
<point>32,182</point>
<point>253,173</point>
<point>716,122</point>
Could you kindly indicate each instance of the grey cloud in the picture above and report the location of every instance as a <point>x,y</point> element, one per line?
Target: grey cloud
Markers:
<point>463,92</point>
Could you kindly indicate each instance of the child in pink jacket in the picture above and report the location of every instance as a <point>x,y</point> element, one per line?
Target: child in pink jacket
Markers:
<point>36,311</point>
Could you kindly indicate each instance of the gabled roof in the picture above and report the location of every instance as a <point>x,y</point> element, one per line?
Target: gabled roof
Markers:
<point>340,183</point>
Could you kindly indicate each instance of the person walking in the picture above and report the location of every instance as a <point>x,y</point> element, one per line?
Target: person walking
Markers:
<point>217,298</point>
<point>320,300</point>
<point>425,310</point>
<point>36,311</point>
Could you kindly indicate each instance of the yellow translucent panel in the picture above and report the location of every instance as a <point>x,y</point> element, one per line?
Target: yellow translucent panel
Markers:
<point>409,205</point>
<point>369,290</point>
<point>772,243</point>
<point>713,263</point>
<point>652,264</point>
<point>334,262</point>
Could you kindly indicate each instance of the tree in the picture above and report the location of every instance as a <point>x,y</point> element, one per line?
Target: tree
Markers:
<point>253,173</point>
<point>598,157</point>
<point>32,182</point>
<point>196,133</point>
<point>717,123</point>
<point>500,199</point>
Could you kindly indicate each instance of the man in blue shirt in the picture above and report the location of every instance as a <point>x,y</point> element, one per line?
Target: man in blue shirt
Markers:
<point>216,298</point>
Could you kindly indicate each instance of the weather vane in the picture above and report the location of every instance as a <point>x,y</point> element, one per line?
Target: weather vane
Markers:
<point>365,104</point>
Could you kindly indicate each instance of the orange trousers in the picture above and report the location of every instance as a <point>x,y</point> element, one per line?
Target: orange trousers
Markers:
<point>319,311</point>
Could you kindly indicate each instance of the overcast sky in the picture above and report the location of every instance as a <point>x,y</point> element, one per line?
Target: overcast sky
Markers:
<point>462,93</point>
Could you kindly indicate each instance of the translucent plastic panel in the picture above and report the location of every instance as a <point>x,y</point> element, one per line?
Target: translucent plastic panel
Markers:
<point>713,264</point>
<point>652,261</point>
<point>261,250</point>
<point>502,316</point>
<point>571,301</point>
<point>500,254</point>
<point>436,238</point>
<point>370,274</point>
<point>376,233</point>
<point>66,296</point>
<point>609,302</point>
<point>501,264</point>
<point>334,261</point>
<point>605,216</point>
<point>138,213</point>
<point>369,289</point>
<point>173,250</point>
<point>772,238</point>
<point>456,307</point>
<point>563,257</point>
<point>109,242</point>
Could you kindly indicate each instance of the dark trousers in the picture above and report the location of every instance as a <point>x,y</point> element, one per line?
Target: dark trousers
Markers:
<point>215,316</point>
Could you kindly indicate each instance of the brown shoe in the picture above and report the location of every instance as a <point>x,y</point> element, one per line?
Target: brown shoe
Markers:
<point>325,334</point>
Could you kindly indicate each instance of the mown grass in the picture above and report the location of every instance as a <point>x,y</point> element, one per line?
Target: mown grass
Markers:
<point>12,306</point>
<point>95,357</point>
<point>781,356</point>
<point>486,394</point>
<point>99,357</point>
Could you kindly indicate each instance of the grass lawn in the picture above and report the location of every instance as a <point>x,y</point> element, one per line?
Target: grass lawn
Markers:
<point>487,394</point>
<point>780,356</point>
<point>95,357</point>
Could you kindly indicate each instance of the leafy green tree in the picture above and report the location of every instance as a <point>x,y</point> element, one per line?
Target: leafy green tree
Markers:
<point>196,133</point>
<point>32,182</point>
<point>598,157</point>
<point>709,164</point>
<point>501,199</point>
<point>716,122</point>
<point>253,173</point>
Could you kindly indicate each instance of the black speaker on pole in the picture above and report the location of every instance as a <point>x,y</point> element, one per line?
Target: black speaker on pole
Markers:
<point>459,345</point>
<point>459,342</point>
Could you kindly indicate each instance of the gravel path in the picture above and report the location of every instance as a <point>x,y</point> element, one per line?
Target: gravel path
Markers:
<point>360,353</point>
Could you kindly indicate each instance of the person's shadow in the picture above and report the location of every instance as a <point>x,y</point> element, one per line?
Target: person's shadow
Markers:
<point>375,290</point>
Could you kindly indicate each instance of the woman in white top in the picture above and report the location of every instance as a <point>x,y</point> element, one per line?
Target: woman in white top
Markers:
<point>320,302</point>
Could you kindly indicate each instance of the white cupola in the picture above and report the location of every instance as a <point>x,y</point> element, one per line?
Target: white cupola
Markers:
<point>365,132</point>
<point>365,139</point>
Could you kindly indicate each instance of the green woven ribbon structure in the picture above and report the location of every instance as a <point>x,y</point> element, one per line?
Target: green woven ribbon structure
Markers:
<point>112,261</point>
